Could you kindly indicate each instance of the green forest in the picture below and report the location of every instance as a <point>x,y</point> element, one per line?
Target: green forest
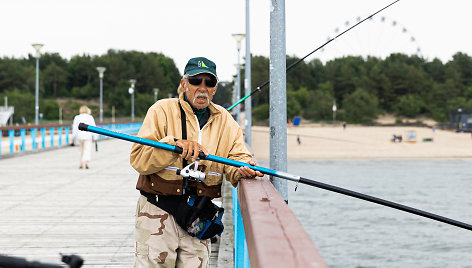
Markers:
<point>362,88</point>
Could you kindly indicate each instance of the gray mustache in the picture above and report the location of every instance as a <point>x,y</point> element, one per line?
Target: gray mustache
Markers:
<point>200,94</point>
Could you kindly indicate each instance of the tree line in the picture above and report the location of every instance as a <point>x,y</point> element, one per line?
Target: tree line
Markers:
<point>71,82</point>
<point>362,88</point>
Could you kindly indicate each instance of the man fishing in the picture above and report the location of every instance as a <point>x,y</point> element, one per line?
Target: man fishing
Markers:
<point>169,230</point>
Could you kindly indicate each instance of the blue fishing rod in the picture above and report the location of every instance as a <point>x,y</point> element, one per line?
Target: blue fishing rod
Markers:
<point>279,174</point>
<point>320,47</point>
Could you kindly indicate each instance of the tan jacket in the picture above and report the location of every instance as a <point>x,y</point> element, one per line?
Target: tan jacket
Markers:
<point>221,136</point>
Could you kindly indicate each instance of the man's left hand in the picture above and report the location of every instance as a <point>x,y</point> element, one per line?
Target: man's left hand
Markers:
<point>249,173</point>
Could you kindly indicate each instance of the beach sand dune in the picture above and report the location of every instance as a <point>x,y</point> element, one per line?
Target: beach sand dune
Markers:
<point>325,142</point>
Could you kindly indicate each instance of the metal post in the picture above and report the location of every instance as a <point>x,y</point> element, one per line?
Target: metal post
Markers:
<point>238,89</point>
<point>247,83</point>
<point>36,94</point>
<point>278,94</point>
<point>131,92</point>
<point>113,114</point>
<point>101,70</point>
<point>37,47</point>
<point>156,93</point>
<point>334,111</point>
<point>239,38</point>
<point>101,99</point>
<point>132,107</point>
<point>60,115</point>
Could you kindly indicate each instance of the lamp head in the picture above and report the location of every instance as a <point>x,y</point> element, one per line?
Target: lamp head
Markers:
<point>239,38</point>
<point>37,47</point>
<point>101,70</point>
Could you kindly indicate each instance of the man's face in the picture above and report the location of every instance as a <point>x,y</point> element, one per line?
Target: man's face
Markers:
<point>198,92</point>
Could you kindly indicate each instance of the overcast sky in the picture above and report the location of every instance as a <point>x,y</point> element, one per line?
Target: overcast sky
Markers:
<point>182,29</point>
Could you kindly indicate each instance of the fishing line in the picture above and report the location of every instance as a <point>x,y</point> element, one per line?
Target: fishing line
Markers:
<point>300,60</point>
<point>279,174</point>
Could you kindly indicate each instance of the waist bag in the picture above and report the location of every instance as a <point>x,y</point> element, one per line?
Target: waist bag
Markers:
<point>197,215</point>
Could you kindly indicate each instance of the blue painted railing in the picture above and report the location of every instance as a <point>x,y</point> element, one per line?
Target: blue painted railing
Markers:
<point>241,255</point>
<point>58,136</point>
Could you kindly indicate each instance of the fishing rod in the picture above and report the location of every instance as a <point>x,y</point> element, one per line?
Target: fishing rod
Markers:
<point>279,174</point>
<point>300,60</point>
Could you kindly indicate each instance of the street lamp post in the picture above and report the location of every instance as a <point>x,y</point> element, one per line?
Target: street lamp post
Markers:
<point>239,38</point>
<point>334,111</point>
<point>101,70</point>
<point>131,92</point>
<point>37,47</point>
<point>156,92</point>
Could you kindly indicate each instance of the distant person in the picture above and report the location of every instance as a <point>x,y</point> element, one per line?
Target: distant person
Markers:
<point>433,129</point>
<point>393,138</point>
<point>344,125</point>
<point>299,140</point>
<point>84,138</point>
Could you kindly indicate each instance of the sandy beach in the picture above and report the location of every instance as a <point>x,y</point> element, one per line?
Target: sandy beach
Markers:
<point>325,142</point>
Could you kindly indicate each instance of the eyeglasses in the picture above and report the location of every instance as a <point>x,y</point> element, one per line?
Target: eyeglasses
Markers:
<point>196,81</point>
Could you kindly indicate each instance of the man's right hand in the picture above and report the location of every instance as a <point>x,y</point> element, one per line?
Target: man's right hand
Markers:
<point>190,148</point>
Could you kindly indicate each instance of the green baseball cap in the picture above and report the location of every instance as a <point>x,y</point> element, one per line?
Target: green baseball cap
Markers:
<point>200,65</point>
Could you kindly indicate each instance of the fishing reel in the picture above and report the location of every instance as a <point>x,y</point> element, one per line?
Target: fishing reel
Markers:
<point>192,173</point>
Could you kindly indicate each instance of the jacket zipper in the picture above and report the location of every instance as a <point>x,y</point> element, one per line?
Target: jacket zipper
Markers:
<point>200,130</point>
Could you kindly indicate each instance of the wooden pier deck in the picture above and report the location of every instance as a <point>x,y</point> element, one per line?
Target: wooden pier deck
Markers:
<point>50,206</point>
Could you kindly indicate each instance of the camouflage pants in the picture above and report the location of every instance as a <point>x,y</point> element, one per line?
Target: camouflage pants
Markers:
<point>160,242</point>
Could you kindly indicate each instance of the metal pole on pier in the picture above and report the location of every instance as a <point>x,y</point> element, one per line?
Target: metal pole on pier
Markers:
<point>278,95</point>
<point>247,83</point>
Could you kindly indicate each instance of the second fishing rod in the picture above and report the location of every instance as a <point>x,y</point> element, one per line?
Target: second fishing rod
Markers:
<point>279,174</point>
<point>300,60</point>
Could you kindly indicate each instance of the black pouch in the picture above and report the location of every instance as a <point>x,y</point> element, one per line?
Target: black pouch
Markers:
<point>201,218</point>
<point>213,227</point>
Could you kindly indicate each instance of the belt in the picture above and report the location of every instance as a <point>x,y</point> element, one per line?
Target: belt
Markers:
<point>168,203</point>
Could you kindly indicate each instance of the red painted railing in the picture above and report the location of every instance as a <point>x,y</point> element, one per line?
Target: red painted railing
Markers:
<point>274,236</point>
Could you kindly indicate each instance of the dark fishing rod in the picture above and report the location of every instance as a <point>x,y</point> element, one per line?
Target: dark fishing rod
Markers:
<point>300,60</point>
<point>279,174</point>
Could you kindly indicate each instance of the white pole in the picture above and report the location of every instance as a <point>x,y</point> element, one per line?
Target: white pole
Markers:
<point>37,47</point>
<point>247,83</point>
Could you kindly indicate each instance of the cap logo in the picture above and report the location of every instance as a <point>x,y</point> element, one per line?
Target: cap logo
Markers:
<point>201,64</point>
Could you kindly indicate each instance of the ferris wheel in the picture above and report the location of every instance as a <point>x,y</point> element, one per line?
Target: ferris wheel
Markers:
<point>379,37</point>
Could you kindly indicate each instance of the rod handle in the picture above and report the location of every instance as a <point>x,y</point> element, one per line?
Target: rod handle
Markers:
<point>179,150</point>
<point>83,126</point>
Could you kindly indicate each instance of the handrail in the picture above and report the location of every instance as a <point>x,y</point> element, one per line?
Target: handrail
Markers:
<point>28,127</point>
<point>35,137</point>
<point>274,236</point>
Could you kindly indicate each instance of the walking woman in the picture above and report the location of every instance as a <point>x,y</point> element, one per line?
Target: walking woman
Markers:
<point>84,138</point>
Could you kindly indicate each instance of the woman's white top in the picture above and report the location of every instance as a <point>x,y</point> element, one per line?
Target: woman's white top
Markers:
<point>83,135</point>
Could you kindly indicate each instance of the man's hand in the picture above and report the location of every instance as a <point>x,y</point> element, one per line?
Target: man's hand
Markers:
<point>249,173</point>
<point>190,148</point>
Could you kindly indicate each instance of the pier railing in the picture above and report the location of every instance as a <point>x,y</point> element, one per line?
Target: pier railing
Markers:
<point>265,227</point>
<point>31,138</point>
